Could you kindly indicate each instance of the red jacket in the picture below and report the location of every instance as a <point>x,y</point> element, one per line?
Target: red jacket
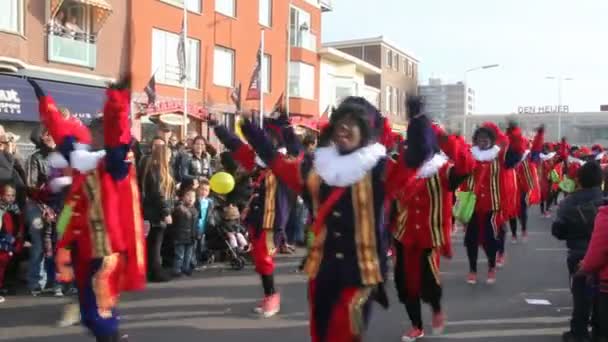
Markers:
<point>596,259</point>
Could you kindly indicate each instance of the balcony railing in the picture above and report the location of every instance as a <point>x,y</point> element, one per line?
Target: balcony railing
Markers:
<point>304,39</point>
<point>77,50</point>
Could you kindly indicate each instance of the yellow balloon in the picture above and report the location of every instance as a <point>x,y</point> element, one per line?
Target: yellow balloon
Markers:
<point>222,183</point>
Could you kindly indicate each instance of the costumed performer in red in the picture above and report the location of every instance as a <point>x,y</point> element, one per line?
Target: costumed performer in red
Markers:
<point>102,240</point>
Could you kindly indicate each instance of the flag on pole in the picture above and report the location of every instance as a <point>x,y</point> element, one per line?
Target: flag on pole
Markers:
<point>235,96</point>
<point>181,54</point>
<point>279,106</point>
<point>150,90</point>
<point>253,93</point>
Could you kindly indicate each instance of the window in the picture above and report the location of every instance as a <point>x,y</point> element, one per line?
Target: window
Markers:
<point>300,30</point>
<point>191,5</point>
<point>396,61</point>
<point>267,73</point>
<point>301,80</point>
<point>226,7</point>
<point>164,59</point>
<point>410,68</point>
<point>389,58</point>
<point>389,99</point>
<point>405,65</point>
<point>265,12</point>
<point>11,15</point>
<point>396,105</point>
<point>223,67</point>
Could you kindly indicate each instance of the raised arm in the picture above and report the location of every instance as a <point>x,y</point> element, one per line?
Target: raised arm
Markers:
<point>290,170</point>
<point>241,152</point>
<point>516,146</point>
<point>537,144</point>
<point>65,131</point>
<point>116,129</point>
<point>455,147</point>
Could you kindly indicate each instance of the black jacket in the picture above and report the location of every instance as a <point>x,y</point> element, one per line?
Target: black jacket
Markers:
<point>37,167</point>
<point>192,167</point>
<point>184,225</point>
<point>156,205</point>
<point>575,218</point>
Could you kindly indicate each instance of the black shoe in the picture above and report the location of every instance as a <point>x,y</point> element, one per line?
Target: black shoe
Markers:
<point>570,337</point>
<point>188,273</point>
<point>36,292</point>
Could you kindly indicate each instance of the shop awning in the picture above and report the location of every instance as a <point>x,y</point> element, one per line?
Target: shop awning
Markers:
<point>17,100</point>
<point>83,102</point>
<point>101,10</point>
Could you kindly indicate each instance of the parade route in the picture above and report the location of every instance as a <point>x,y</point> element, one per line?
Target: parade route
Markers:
<point>215,304</point>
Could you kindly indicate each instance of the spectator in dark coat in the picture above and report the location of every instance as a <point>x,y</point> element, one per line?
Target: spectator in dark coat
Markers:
<point>198,164</point>
<point>574,224</point>
<point>184,232</point>
<point>157,192</point>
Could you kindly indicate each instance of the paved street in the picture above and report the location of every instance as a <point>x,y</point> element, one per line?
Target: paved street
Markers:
<point>215,305</point>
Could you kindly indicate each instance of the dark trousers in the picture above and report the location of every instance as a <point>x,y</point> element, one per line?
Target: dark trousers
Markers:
<point>502,237</point>
<point>155,242</point>
<point>548,202</point>
<point>602,319</point>
<point>430,288</point>
<point>582,299</point>
<point>480,231</point>
<point>523,216</point>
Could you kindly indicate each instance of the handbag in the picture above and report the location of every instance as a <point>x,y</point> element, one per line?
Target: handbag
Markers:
<point>567,185</point>
<point>464,206</point>
<point>554,176</point>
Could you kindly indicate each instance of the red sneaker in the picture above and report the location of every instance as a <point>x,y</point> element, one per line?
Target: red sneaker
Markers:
<point>412,335</point>
<point>491,276</point>
<point>438,323</point>
<point>525,237</point>
<point>272,305</point>
<point>500,260</point>
<point>472,278</point>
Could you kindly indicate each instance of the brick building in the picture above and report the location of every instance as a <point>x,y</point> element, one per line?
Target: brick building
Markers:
<point>223,39</point>
<point>72,47</point>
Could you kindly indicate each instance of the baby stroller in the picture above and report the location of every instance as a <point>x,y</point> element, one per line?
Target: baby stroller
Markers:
<point>218,242</point>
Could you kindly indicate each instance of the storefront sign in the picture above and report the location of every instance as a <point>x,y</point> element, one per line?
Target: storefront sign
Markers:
<point>10,103</point>
<point>542,109</point>
<point>17,100</point>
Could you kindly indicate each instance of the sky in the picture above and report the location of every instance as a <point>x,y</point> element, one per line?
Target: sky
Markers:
<point>529,39</point>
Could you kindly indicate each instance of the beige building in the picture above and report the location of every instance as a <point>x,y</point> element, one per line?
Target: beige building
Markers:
<point>343,75</point>
<point>582,128</point>
<point>398,77</point>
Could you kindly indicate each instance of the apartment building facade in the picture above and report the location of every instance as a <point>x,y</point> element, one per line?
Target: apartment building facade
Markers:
<point>398,77</point>
<point>223,39</point>
<point>446,100</point>
<point>71,47</point>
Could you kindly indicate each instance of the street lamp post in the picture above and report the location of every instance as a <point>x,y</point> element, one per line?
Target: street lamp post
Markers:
<point>466,91</point>
<point>560,80</point>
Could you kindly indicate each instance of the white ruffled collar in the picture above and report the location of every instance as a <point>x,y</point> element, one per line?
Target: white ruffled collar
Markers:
<point>346,170</point>
<point>485,155</point>
<point>85,161</point>
<point>574,160</point>
<point>547,156</point>
<point>600,156</point>
<point>432,166</point>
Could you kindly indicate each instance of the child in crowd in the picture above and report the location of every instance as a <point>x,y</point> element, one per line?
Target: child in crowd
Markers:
<point>185,219</point>
<point>11,232</point>
<point>231,225</point>
<point>206,218</point>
